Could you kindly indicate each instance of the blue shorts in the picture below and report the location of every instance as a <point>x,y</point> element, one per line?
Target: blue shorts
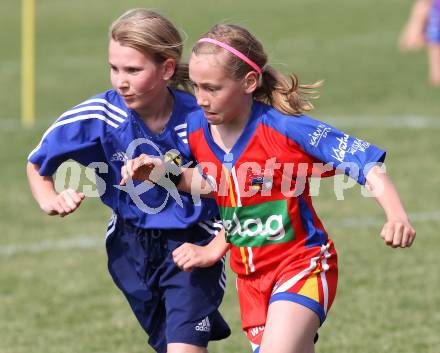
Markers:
<point>433,25</point>
<point>172,306</point>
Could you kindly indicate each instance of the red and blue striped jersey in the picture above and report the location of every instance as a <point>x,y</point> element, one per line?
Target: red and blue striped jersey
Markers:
<point>262,184</point>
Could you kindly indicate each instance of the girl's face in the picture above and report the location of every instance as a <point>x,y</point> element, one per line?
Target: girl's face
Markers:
<point>136,77</point>
<point>223,98</point>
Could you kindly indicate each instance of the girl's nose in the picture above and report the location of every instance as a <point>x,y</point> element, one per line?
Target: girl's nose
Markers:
<point>122,81</point>
<point>201,99</point>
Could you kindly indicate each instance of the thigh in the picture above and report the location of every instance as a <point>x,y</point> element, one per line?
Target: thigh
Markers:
<point>310,283</point>
<point>290,328</point>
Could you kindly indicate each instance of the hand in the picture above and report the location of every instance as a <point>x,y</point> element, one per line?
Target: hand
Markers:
<point>412,38</point>
<point>187,256</point>
<point>63,203</point>
<point>143,168</point>
<point>398,233</point>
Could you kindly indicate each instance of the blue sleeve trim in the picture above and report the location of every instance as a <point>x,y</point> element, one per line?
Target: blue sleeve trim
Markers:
<point>378,158</point>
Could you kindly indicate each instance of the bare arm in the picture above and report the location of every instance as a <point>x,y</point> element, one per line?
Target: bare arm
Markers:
<point>397,231</point>
<point>48,199</point>
<point>194,183</point>
<point>187,256</point>
<point>153,169</point>
<point>413,34</point>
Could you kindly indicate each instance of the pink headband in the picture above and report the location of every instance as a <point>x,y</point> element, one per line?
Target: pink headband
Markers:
<point>233,51</point>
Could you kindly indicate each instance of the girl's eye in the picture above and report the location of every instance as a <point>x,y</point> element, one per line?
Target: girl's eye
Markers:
<point>133,70</point>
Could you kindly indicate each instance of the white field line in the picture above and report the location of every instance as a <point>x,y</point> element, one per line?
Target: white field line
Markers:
<point>391,122</point>
<point>366,122</point>
<point>87,242</point>
<point>83,242</point>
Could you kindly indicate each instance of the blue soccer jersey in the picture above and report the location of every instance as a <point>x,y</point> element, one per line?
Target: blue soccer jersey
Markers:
<point>102,133</point>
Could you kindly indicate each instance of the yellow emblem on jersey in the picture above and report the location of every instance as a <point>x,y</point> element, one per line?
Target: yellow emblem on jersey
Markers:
<point>173,156</point>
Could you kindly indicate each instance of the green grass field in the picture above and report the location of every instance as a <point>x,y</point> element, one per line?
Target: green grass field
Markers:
<point>55,293</point>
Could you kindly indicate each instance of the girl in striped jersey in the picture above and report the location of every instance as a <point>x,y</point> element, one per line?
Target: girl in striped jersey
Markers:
<point>257,149</point>
<point>143,113</point>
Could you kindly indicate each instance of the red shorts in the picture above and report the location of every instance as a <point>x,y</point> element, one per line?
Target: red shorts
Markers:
<point>311,282</point>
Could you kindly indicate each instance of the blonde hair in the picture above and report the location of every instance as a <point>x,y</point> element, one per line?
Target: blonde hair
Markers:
<point>285,94</point>
<point>149,32</point>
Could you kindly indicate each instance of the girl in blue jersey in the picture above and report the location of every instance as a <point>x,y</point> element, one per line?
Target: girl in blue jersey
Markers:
<point>423,28</point>
<point>143,113</point>
<point>253,118</point>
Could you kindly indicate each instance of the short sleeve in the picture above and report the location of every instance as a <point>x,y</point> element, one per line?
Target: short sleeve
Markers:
<point>77,138</point>
<point>346,153</point>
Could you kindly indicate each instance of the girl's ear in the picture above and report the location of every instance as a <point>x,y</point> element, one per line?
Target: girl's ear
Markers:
<point>250,82</point>
<point>168,69</point>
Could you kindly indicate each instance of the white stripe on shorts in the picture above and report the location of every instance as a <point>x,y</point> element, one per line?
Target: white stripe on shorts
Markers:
<point>313,264</point>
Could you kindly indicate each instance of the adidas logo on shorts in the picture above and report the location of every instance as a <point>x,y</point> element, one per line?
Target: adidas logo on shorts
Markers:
<point>204,325</point>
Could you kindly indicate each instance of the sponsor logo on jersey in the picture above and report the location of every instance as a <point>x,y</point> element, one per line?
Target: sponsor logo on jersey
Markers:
<point>204,325</point>
<point>358,145</point>
<point>258,181</point>
<point>173,156</point>
<point>339,153</point>
<point>119,157</point>
<point>258,225</point>
<point>319,134</point>
<point>136,190</point>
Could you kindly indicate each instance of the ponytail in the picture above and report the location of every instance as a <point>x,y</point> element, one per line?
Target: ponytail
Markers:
<point>286,94</point>
<point>180,79</point>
